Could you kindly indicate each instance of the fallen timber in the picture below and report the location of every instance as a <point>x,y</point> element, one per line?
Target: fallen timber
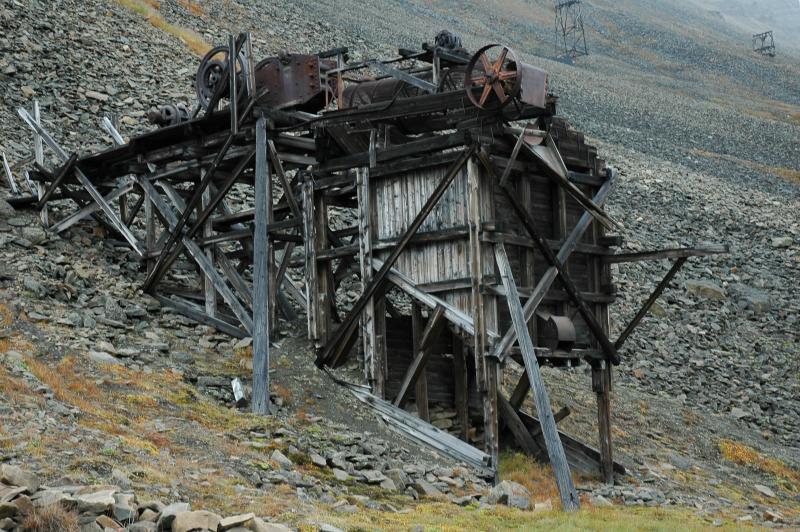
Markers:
<point>441,183</point>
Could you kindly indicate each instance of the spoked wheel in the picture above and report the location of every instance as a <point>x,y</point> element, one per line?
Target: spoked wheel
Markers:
<point>210,71</point>
<point>493,69</point>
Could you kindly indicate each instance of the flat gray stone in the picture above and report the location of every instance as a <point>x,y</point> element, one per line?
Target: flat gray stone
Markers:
<point>16,476</point>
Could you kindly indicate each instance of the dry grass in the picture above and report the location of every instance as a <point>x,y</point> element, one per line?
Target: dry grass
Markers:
<point>193,7</point>
<point>66,385</point>
<point>10,387</point>
<point>742,454</point>
<point>6,316</point>
<point>448,517</point>
<point>52,518</point>
<point>538,478</point>
<point>149,10</point>
<point>789,174</point>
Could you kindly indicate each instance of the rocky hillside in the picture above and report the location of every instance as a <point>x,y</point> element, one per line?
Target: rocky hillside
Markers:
<point>101,386</point>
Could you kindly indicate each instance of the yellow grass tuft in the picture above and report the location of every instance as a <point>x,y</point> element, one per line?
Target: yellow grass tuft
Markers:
<point>742,454</point>
<point>193,7</point>
<point>51,518</point>
<point>786,173</point>
<point>538,478</point>
<point>66,385</point>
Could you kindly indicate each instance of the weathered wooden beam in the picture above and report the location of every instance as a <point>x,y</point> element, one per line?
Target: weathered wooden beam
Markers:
<point>421,388</point>
<point>261,280</point>
<point>197,254</point>
<point>434,326</point>
<point>601,385</point>
<point>548,154</point>
<point>555,450</point>
<point>558,417</point>
<point>649,303</point>
<point>195,312</point>
<point>89,209</point>
<point>333,352</point>
<point>678,253</point>
<point>457,317</point>
<point>84,181</point>
<point>518,429</point>
<point>409,149</point>
<point>460,384</point>
<point>66,169</point>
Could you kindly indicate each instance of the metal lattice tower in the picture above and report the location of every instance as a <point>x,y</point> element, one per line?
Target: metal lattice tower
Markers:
<point>570,37</point>
<point>764,44</point>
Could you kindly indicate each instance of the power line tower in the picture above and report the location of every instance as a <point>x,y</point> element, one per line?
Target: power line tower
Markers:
<point>764,44</point>
<point>570,38</point>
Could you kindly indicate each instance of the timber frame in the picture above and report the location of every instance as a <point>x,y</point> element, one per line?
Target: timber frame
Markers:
<point>474,236</point>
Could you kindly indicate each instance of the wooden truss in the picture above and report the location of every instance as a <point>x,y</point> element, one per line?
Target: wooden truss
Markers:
<point>250,213</point>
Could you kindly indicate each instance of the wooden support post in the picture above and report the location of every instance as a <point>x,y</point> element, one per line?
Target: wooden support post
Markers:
<point>601,385</point>
<point>555,449</point>
<point>272,270</point>
<point>421,390</point>
<point>261,280</point>
<point>38,150</point>
<point>208,286</point>
<point>432,329</point>
<point>149,229</point>
<point>309,240</point>
<point>461,385</point>
<point>324,271</point>
<point>381,360</point>
<point>486,376</point>
<point>364,214</point>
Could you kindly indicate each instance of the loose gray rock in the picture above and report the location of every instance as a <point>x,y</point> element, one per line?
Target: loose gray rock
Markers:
<point>15,476</point>
<point>511,494</point>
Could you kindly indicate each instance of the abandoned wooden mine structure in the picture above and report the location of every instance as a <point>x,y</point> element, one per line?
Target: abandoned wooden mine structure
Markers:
<point>439,185</point>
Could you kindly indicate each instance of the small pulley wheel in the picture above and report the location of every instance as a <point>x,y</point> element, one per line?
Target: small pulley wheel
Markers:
<point>210,74</point>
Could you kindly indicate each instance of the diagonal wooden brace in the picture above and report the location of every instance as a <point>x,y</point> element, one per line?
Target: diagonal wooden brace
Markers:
<point>649,303</point>
<point>333,352</point>
<point>555,269</point>
<point>555,449</point>
<point>84,181</point>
